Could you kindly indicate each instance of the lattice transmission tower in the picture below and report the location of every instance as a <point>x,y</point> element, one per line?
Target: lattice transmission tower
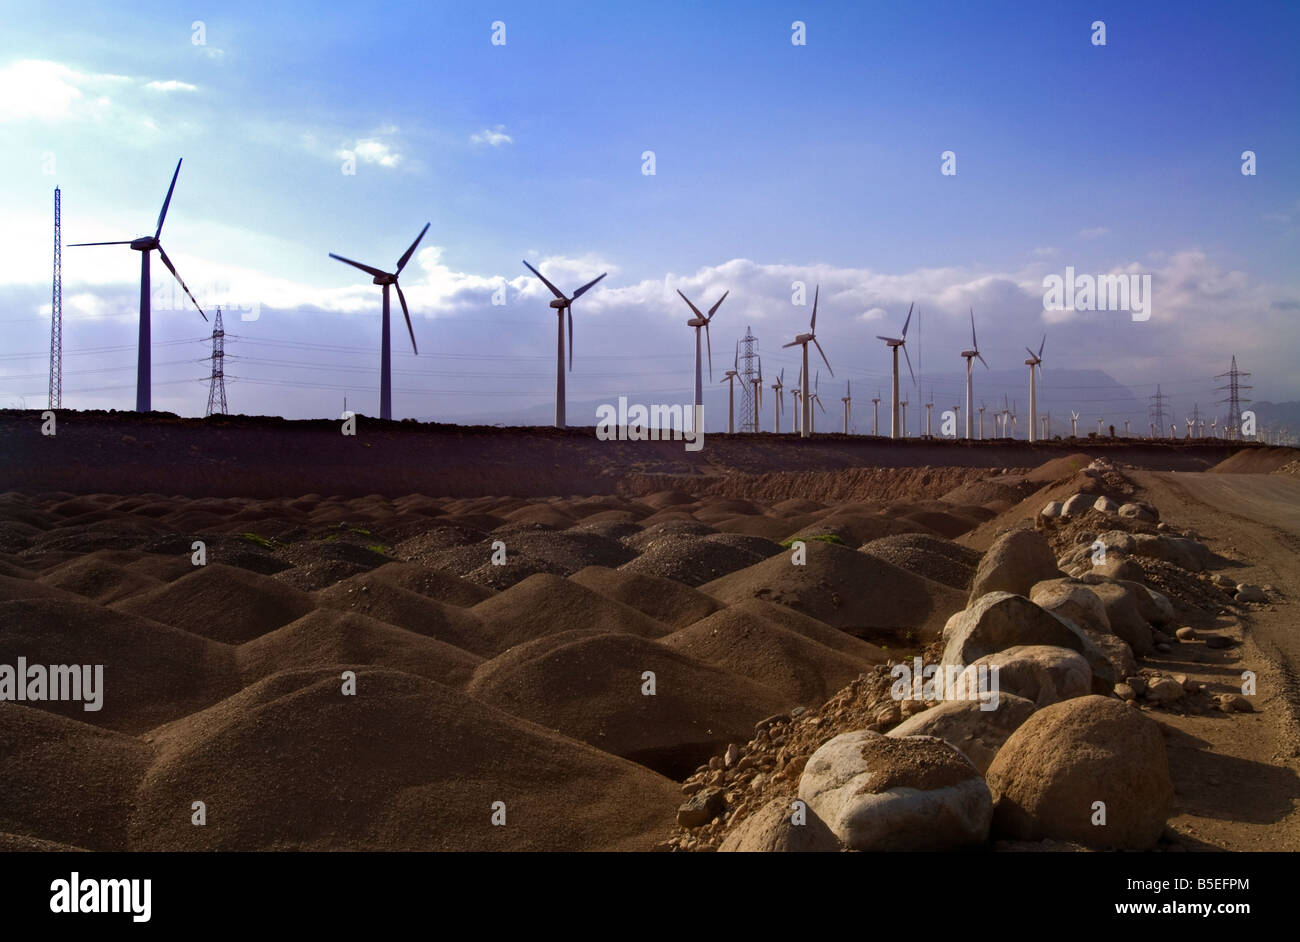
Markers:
<point>749,370</point>
<point>217,386</point>
<point>1234,388</point>
<point>56,309</point>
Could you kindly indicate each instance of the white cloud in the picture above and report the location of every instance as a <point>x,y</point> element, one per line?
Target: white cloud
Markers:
<point>372,150</point>
<point>1096,232</point>
<point>171,85</point>
<point>492,137</point>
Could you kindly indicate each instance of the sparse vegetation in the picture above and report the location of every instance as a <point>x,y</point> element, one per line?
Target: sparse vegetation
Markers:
<point>820,537</point>
<point>259,540</point>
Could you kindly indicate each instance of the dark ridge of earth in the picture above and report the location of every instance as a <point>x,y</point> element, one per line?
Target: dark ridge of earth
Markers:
<point>262,456</point>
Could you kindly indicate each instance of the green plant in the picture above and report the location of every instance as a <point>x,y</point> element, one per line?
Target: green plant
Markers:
<point>259,540</point>
<point>379,548</point>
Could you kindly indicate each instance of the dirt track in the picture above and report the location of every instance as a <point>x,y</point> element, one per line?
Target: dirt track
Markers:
<point>1237,783</point>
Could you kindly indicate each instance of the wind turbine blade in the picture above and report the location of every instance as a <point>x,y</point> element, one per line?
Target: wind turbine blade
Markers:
<point>579,293</point>
<point>554,290</point>
<point>735,362</point>
<point>713,310</point>
<point>980,356</point>
<point>167,202</point>
<point>792,343</point>
<point>710,345</point>
<point>823,353</point>
<point>172,268</point>
<point>407,314</point>
<point>73,244</point>
<point>1030,352</point>
<point>819,403</point>
<point>908,321</point>
<point>889,339</point>
<point>569,311</point>
<point>406,256</point>
<point>692,306</point>
<point>909,363</point>
<point>365,268</point>
<point>1041,345</point>
<point>816,292</point>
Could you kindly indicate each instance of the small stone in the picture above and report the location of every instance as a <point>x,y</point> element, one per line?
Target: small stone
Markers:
<point>889,715</point>
<point>1125,692</point>
<point>1165,690</point>
<point>701,808</point>
<point>690,788</point>
<point>1249,593</point>
<point>715,762</point>
<point>912,707</point>
<point>774,720</point>
<point>798,712</point>
<point>732,755</point>
<point>1235,703</point>
<point>746,762</point>
<point>1186,633</point>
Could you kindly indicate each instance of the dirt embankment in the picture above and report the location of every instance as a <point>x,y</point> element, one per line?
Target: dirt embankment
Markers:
<point>252,456</point>
<point>853,484</point>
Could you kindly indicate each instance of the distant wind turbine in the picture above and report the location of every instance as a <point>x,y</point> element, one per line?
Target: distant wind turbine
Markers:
<point>698,321</point>
<point>969,356</point>
<point>1035,362</point>
<point>778,397</point>
<point>144,245</point>
<point>897,421</point>
<point>848,404</point>
<point>802,340</point>
<point>564,305</point>
<point>388,279</point>
<point>729,378</point>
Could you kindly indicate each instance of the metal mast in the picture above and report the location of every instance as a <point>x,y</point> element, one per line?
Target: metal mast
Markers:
<point>748,377</point>
<point>56,309</point>
<point>217,386</point>
<point>1234,389</point>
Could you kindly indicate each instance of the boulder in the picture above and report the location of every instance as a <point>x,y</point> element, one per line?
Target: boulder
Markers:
<point>965,725</point>
<point>1072,599</point>
<point>1164,690</point>
<point>1001,620</point>
<point>879,793</point>
<point>702,807</point>
<point>1040,673</point>
<point>1118,568</point>
<point>1125,619</point>
<point>1185,553</point>
<point>772,829</point>
<point>1249,593</point>
<point>1105,505</point>
<point>1139,510</point>
<point>1014,562</point>
<point>1052,771</point>
<point>1117,543</point>
<point>1154,606</point>
<point>1078,504</point>
<point>1052,509</point>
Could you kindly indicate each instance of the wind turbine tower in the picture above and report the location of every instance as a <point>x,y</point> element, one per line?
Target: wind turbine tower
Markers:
<point>802,340</point>
<point>898,410</point>
<point>698,321</point>
<point>848,404</point>
<point>1035,362</point>
<point>969,356</point>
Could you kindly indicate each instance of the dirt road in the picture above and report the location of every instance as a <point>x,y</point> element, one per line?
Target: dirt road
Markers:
<point>1236,780</point>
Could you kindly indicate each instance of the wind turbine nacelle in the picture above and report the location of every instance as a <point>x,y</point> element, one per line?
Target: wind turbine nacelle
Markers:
<point>970,354</point>
<point>803,338</point>
<point>144,244</point>
<point>697,322</point>
<point>385,279</point>
<point>559,304</point>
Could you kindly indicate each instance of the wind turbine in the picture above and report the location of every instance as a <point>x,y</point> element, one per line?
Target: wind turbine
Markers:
<point>758,394</point>
<point>928,406</point>
<point>816,397</point>
<point>698,321</point>
<point>388,279</point>
<point>562,306</point>
<point>1035,361</point>
<point>875,409</point>
<point>956,411</point>
<point>895,422</point>
<point>848,403</point>
<point>1099,418</point>
<point>144,245</point>
<point>802,340</point>
<point>982,407</point>
<point>729,378</point>
<point>797,395</point>
<point>778,397</point>
<point>969,356</point>
<point>903,412</point>
<point>1074,424</point>
<point>1126,428</point>
<point>1013,418</point>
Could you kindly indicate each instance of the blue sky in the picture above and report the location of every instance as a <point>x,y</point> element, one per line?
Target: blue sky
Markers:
<point>773,162</point>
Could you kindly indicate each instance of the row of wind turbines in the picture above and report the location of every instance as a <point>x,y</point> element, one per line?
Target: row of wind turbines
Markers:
<point>806,395</point>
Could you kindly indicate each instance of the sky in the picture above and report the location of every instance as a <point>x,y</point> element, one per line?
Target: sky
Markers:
<point>775,163</point>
